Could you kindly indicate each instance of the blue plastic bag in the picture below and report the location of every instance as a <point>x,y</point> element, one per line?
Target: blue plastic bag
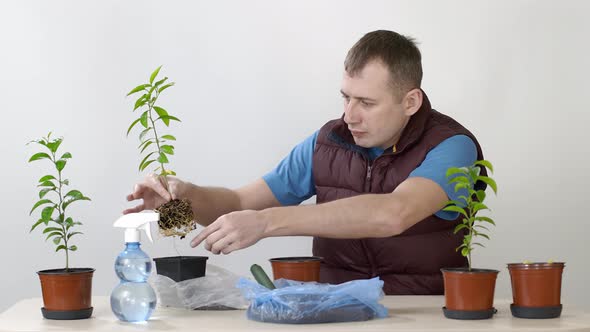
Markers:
<point>296,302</point>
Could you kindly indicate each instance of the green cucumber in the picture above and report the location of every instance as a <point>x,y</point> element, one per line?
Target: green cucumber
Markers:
<point>261,276</point>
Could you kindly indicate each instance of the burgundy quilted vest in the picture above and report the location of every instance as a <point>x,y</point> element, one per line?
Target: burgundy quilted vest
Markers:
<point>408,263</point>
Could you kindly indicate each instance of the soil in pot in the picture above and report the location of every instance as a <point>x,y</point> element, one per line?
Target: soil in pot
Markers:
<point>180,268</point>
<point>296,268</point>
<point>536,289</point>
<point>469,294</point>
<point>66,294</point>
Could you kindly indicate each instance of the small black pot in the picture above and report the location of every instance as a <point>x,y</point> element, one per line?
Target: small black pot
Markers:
<point>179,268</point>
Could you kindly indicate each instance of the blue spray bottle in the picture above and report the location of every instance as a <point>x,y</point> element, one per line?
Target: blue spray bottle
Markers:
<point>134,300</point>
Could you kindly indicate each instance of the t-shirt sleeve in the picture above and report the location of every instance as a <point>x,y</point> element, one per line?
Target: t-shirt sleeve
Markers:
<point>291,181</point>
<point>455,151</point>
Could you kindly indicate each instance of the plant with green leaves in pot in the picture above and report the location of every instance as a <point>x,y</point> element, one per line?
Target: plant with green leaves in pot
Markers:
<point>66,292</point>
<point>469,292</point>
<point>536,289</point>
<point>176,216</point>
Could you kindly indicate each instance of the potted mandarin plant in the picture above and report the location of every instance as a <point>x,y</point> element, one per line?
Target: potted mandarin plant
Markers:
<point>176,216</point>
<point>469,292</point>
<point>67,292</point>
<point>536,289</point>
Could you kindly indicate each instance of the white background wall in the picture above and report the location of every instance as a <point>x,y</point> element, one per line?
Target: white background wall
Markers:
<point>256,77</point>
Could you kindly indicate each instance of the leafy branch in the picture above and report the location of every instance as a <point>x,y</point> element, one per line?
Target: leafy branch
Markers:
<point>156,148</point>
<point>469,205</point>
<point>54,209</point>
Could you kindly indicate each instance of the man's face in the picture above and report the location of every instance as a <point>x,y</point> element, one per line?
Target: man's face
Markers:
<point>374,115</point>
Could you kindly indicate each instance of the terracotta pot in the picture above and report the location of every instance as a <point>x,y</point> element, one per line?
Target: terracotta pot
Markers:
<point>65,292</point>
<point>536,284</point>
<point>470,291</point>
<point>296,268</point>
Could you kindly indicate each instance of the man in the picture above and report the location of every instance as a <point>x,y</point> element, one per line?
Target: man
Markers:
<point>378,173</point>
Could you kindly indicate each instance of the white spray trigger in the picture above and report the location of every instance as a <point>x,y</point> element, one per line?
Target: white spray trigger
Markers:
<point>134,222</point>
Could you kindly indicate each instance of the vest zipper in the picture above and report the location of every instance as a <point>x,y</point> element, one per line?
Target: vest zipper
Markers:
<point>369,169</point>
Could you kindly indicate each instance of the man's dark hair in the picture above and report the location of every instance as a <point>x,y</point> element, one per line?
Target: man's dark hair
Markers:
<point>397,52</point>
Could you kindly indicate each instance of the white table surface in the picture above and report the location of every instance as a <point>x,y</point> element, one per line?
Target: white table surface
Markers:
<point>406,313</point>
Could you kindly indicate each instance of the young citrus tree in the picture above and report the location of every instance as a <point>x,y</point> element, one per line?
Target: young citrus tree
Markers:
<point>55,199</point>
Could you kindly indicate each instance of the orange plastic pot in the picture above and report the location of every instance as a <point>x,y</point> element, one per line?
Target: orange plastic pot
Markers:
<point>467,290</point>
<point>536,284</point>
<point>65,292</point>
<point>296,268</point>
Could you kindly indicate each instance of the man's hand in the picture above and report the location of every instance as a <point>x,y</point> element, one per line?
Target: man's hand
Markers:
<point>232,231</point>
<point>153,192</point>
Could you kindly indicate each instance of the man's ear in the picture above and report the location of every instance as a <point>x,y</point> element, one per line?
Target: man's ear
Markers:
<point>412,101</point>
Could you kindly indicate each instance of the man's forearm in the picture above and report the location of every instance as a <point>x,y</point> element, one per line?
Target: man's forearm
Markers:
<point>372,215</point>
<point>209,203</point>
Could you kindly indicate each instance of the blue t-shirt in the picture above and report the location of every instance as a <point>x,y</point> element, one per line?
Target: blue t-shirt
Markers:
<point>291,181</point>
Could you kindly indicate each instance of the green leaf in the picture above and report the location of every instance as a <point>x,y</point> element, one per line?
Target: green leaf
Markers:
<point>47,177</point>
<point>57,240</point>
<point>460,179</point>
<point>478,207</point>
<point>74,194</point>
<point>44,192</point>
<point>461,185</point>
<point>479,244</point>
<point>144,142</point>
<point>454,208</point>
<point>144,119</point>
<point>158,83</point>
<point>39,155</point>
<point>54,145</point>
<point>39,203</point>
<point>165,87</point>
<point>489,181</point>
<point>162,113</point>
<point>73,248</point>
<point>70,201</point>
<point>138,88</point>
<point>169,172</point>
<point>166,119</point>
<point>53,234</point>
<point>36,224</point>
<point>145,165</point>
<point>481,195</point>
<point>483,235</point>
<point>147,143</point>
<point>154,74</point>
<point>47,183</point>
<point>51,229</point>
<point>486,219</point>
<point>485,163</point>
<point>60,164</point>
<point>169,137</point>
<point>66,155</point>
<point>143,133</point>
<point>69,221</point>
<point>140,102</point>
<point>132,125</point>
<point>459,227</point>
<point>66,182</point>
<point>455,170</point>
<point>480,226</point>
<point>72,234</point>
<point>144,159</point>
<point>163,159</point>
<point>47,212</point>
<point>465,251</point>
<point>168,149</point>
<point>61,247</point>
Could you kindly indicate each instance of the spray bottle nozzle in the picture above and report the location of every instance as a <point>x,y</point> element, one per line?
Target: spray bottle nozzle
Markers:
<point>133,222</point>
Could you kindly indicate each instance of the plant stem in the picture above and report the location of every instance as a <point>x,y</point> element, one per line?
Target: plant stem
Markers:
<point>62,214</point>
<point>151,107</point>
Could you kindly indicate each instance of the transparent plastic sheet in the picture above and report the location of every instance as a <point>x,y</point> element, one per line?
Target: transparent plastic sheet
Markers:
<point>215,291</point>
<point>295,302</point>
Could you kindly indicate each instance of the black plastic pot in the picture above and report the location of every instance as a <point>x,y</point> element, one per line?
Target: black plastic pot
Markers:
<point>179,268</point>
